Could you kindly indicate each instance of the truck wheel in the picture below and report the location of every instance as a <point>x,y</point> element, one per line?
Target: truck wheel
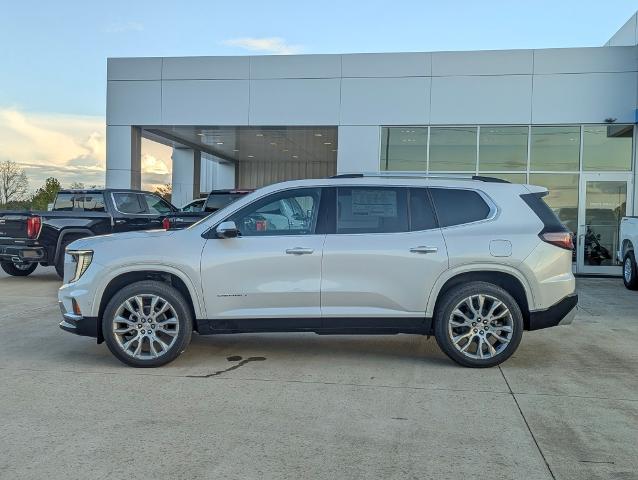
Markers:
<point>147,324</point>
<point>18,269</point>
<point>478,324</point>
<point>630,271</point>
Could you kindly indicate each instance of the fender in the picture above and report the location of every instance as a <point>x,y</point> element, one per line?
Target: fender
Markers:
<point>85,232</point>
<point>476,267</point>
<point>105,279</point>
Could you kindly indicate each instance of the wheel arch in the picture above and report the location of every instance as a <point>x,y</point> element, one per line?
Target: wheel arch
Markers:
<point>627,246</point>
<point>508,279</point>
<point>164,274</point>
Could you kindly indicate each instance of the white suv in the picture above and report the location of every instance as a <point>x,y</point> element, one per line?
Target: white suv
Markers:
<point>472,261</point>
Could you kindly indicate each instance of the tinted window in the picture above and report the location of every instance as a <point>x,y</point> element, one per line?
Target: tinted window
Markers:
<point>372,210</point>
<point>128,203</point>
<point>89,202</point>
<point>455,206</point>
<point>220,200</point>
<point>284,213</point>
<point>195,206</point>
<point>157,205</point>
<point>421,211</point>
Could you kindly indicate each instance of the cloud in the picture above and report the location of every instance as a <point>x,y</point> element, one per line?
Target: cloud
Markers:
<point>121,27</point>
<point>276,45</point>
<point>69,147</point>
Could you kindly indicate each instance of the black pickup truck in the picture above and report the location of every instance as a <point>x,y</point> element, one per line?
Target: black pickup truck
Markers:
<point>215,200</point>
<point>31,238</point>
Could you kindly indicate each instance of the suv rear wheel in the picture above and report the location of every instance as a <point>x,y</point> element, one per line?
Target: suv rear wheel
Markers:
<point>629,273</point>
<point>147,324</point>
<point>18,269</point>
<point>478,324</point>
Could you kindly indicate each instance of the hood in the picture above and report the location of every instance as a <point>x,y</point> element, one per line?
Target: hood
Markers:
<point>91,242</point>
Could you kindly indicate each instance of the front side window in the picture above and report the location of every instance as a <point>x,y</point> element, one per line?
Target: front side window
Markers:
<point>372,210</point>
<point>284,213</point>
<point>455,206</point>
<point>157,205</point>
<point>194,206</point>
<point>128,203</point>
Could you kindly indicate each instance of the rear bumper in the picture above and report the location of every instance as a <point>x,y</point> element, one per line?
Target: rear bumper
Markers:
<point>561,313</point>
<point>22,254</point>
<point>77,324</point>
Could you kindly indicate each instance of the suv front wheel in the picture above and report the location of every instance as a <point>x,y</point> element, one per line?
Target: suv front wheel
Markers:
<point>478,324</point>
<point>147,324</point>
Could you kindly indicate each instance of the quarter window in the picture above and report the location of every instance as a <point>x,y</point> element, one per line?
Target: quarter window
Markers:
<point>457,206</point>
<point>372,210</point>
<point>285,213</point>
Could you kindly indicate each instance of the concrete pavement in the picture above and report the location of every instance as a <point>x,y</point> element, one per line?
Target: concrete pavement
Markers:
<point>565,406</point>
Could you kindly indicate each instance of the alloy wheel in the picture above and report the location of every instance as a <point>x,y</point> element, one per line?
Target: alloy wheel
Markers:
<point>627,269</point>
<point>480,326</point>
<point>145,326</point>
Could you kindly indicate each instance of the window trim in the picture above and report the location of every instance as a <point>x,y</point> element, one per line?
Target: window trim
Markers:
<point>492,215</point>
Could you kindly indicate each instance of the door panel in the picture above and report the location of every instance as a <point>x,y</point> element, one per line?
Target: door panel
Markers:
<point>254,277</point>
<point>380,274</point>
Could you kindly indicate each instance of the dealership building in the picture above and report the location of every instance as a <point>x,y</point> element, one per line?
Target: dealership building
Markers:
<point>562,118</point>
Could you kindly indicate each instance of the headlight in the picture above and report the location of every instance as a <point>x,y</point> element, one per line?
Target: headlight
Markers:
<point>82,260</point>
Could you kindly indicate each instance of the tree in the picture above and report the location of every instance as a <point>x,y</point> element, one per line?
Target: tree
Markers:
<point>164,191</point>
<point>45,194</point>
<point>13,182</point>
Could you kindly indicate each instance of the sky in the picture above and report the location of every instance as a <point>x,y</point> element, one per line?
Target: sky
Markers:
<point>53,54</point>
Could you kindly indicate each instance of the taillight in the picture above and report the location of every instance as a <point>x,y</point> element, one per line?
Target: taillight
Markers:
<point>559,239</point>
<point>33,227</point>
<point>166,224</point>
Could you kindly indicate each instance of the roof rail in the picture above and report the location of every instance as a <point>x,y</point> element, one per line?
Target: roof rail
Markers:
<point>480,178</point>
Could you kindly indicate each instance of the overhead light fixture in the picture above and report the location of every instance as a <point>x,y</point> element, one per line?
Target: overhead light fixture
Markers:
<point>285,149</point>
<point>295,156</point>
<point>235,150</point>
<point>318,135</point>
<point>201,134</point>
<point>251,156</point>
<point>327,143</point>
<point>273,143</point>
<point>260,135</point>
<point>220,143</point>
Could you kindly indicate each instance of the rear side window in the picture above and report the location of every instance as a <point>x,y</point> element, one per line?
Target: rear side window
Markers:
<point>218,201</point>
<point>421,210</point>
<point>550,221</point>
<point>87,202</point>
<point>128,203</point>
<point>157,205</point>
<point>372,210</point>
<point>455,206</point>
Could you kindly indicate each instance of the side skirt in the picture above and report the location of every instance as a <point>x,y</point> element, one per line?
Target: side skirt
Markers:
<point>325,326</point>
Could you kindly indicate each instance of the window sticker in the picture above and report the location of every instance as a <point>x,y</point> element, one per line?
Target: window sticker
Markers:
<point>374,203</point>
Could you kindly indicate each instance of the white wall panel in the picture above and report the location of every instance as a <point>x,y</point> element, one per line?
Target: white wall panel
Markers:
<point>386,65</point>
<point>481,99</point>
<point>295,66</point>
<point>133,103</point>
<point>627,35</point>
<point>482,62</point>
<point>294,102</point>
<point>205,68</point>
<point>385,101</point>
<point>584,98</point>
<point>580,60</point>
<point>205,102</point>
<point>358,149</point>
<point>149,68</point>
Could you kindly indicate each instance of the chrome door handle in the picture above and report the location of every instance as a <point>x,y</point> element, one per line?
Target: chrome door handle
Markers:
<point>424,249</point>
<point>299,251</point>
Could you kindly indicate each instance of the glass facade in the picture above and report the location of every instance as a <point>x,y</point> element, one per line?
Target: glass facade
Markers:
<point>404,149</point>
<point>453,149</point>
<point>607,147</point>
<point>503,149</point>
<point>555,148</point>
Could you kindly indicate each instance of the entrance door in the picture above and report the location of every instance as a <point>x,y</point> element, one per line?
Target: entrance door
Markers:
<point>604,200</point>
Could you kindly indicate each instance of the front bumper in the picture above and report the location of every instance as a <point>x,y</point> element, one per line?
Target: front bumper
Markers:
<point>561,313</point>
<point>84,326</point>
<point>22,254</point>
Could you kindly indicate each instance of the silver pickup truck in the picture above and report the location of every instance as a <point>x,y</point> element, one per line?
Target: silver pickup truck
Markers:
<point>627,253</point>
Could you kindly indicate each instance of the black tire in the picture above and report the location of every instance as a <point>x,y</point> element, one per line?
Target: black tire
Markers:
<point>448,304</point>
<point>148,288</point>
<point>630,271</point>
<point>18,271</point>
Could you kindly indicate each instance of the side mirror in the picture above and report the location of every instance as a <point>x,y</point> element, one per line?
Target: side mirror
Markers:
<point>227,230</point>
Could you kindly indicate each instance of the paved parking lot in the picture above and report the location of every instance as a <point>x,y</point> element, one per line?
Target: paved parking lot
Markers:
<point>309,406</point>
